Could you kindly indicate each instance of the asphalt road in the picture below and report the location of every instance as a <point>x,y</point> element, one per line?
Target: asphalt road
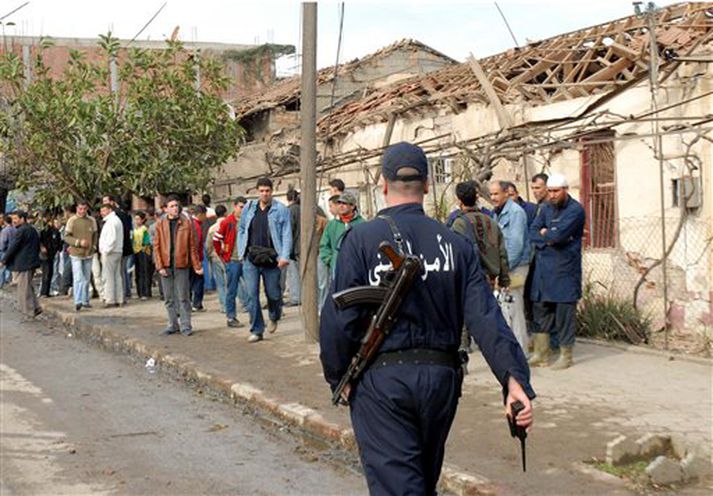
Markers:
<point>78,420</point>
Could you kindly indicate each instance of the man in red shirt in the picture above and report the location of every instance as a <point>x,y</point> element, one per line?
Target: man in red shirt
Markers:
<point>225,242</point>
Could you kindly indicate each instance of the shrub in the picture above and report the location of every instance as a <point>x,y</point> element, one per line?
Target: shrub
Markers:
<point>611,318</point>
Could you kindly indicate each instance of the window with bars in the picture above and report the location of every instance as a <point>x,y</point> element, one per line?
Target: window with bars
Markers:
<point>442,169</point>
<point>598,193</point>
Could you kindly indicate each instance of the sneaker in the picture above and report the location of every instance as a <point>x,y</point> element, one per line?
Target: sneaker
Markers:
<point>254,338</point>
<point>235,323</point>
<point>78,307</point>
<point>38,311</point>
<point>198,309</point>
<point>87,305</point>
<point>169,330</point>
<point>272,326</point>
<point>187,332</point>
<point>144,298</point>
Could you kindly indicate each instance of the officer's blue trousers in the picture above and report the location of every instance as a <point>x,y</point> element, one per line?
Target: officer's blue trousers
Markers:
<point>401,416</point>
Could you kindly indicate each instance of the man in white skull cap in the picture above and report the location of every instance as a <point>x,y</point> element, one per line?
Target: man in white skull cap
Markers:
<point>556,236</point>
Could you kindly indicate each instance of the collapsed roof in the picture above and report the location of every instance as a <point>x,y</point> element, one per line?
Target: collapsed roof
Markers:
<point>288,91</point>
<point>594,60</point>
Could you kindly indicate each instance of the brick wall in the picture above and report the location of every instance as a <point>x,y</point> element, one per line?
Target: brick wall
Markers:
<point>245,78</point>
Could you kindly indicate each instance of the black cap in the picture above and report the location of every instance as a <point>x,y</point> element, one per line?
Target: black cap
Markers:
<point>403,155</point>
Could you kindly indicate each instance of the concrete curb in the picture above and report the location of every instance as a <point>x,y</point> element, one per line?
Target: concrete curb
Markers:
<point>295,414</point>
<point>647,351</point>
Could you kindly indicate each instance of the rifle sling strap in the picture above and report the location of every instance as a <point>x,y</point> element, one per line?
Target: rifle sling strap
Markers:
<point>395,231</point>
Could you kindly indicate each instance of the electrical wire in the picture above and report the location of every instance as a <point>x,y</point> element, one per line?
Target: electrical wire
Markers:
<point>147,24</point>
<point>13,11</point>
<point>507,24</point>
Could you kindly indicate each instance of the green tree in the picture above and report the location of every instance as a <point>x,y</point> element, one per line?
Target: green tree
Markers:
<point>70,136</point>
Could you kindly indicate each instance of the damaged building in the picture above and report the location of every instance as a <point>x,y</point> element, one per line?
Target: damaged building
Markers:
<point>271,117</point>
<point>623,110</point>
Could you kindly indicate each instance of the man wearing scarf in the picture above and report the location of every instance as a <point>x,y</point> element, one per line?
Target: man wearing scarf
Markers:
<point>347,217</point>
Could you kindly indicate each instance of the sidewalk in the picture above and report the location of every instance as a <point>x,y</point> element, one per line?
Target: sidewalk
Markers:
<point>607,393</point>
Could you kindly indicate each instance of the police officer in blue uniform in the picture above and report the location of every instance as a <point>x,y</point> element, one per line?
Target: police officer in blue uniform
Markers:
<point>403,406</point>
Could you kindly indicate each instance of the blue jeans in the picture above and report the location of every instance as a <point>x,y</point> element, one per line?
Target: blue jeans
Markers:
<point>294,285</point>
<point>243,294</point>
<point>4,273</point>
<point>209,283</point>
<point>219,276</point>
<point>271,281</point>
<point>127,262</point>
<point>57,272</point>
<point>81,277</point>
<point>197,289</point>
<point>323,281</point>
<point>233,273</point>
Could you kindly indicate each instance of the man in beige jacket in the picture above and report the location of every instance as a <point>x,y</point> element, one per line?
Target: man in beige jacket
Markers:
<point>81,235</point>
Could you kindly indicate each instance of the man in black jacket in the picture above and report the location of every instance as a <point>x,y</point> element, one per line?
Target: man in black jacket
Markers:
<point>50,246</point>
<point>23,258</point>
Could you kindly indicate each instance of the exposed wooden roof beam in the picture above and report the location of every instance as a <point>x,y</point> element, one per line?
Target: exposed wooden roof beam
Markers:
<point>538,68</point>
<point>609,72</point>
<point>504,118</point>
<point>624,51</point>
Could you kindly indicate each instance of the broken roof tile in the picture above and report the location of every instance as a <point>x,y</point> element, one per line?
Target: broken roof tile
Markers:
<point>289,90</point>
<point>566,66</point>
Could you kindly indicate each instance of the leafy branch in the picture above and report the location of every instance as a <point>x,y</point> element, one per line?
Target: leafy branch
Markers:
<point>67,136</point>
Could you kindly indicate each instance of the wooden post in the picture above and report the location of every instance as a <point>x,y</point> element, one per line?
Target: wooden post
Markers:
<point>503,117</point>
<point>308,173</point>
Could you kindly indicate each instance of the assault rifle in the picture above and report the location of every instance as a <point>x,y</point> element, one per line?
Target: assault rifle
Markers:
<point>389,296</point>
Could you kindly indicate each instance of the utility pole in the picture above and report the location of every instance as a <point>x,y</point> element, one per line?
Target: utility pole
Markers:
<point>658,147</point>
<point>308,172</point>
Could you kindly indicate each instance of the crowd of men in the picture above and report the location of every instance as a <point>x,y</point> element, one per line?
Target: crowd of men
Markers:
<point>530,253</point>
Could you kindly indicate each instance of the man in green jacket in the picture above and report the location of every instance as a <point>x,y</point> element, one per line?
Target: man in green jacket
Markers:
<point>347,217</point>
